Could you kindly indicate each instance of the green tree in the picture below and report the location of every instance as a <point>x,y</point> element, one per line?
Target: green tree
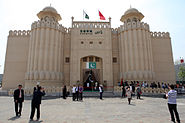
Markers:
<point>181,73</point>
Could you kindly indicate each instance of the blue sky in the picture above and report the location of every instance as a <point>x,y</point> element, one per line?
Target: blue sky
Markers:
<point>161,15</point>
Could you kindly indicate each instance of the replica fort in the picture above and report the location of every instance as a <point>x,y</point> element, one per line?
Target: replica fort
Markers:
<point>87,53</point>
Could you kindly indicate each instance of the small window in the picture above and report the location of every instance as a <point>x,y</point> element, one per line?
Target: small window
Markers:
<point>100,42</point>
<point>67,60</point>
<point>90,42</point>
<point>82,42</point>
<point>114,60</point>
<point>85,59</point>
<point>91,59</point>
<point>97,59</point>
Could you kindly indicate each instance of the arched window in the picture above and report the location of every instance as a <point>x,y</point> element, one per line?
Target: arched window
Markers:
<point>134,20</point>
<point>46,18</point>
<point>128,20</point>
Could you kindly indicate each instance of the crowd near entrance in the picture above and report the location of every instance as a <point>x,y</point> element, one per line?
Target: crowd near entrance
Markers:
<point>91,73</point>
<point>91,82</point>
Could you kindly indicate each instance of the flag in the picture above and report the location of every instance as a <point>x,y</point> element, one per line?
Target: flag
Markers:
<point>85,15</point>
<point>91,65</point>
<point>101,16</point>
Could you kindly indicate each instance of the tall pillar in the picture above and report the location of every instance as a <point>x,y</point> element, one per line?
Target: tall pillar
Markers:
<point>51,53</point>
<point>123,66</point>
<point>41,50</point>
<point>46,53</point>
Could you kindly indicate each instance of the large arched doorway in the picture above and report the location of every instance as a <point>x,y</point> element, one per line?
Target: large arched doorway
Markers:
<point>91,72</point>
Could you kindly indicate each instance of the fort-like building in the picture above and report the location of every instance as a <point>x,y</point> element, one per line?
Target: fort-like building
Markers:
<point>87,52</point>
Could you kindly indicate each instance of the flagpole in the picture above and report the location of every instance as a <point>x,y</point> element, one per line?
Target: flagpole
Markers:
<point>98,14</point>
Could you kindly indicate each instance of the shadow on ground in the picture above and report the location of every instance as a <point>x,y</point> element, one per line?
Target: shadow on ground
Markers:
<point>14,118</point>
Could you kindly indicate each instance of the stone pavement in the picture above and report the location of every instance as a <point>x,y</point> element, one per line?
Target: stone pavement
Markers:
<point>93,110</point>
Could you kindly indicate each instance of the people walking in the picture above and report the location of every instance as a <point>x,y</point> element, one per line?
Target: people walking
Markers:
<point>101,91</point>
<point>36,101</point>
<point>172,103</point>
<point>138,92</point>
<point>18,99</point>
<point>64,92</point>
<point>74,92</point>
<point>129,93</point>
<point>81,93</point>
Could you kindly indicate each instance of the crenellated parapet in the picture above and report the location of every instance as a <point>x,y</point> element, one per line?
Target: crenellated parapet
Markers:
<point>160,34</point>
<point>19,33</point>
<point>133,25</point>
<point>49,24</point>
<point>82,24</point>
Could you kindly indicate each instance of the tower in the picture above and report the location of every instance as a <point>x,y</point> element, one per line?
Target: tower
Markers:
<point>136,61</point>
<point>45,57</point>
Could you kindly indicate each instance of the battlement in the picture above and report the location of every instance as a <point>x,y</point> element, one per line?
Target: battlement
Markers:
<point>160,34</point>
<point>134,25</point>
<point>50,24</point>
<point>91,24</point>
<point>19,33</point>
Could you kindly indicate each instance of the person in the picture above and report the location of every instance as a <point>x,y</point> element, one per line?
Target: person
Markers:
<point>172,104</point>
<point>18,99</point>
<point>123,91</point>
<point>101,91</point>
<point>64,92</point>
<point>129,93</point>
<point>81,92</point>
<point>163,86</point>
<point>159,85</point>
<point>73,92</point>
<point>133,89</point>
<point>146,85</point>
<point>138,92</point>
<point>143,84</point>
<point>36,101</point>
<point>77,92</point>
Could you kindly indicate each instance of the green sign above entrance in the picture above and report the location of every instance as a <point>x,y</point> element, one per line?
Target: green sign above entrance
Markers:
<point>91,65</point>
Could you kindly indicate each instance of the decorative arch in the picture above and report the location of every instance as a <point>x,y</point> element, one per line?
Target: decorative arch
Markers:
<point>95,74</point>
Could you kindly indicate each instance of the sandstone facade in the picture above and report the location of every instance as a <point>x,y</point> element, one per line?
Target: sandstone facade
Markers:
<point>55,55</point>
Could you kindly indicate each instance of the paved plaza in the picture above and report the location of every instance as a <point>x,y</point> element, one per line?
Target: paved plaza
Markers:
<point>93,110</point>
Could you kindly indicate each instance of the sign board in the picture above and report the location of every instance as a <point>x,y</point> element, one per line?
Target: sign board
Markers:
<point>91,65</point>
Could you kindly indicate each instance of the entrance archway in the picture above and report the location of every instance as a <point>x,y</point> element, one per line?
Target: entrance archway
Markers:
<point>91,72</point>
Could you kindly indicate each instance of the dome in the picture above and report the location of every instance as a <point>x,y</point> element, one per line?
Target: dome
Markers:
<point>131,10</point>
<point>50,9</point>
<point>132,13</point>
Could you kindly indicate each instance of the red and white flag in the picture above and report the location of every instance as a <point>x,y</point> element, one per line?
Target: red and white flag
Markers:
<point>101,16</point>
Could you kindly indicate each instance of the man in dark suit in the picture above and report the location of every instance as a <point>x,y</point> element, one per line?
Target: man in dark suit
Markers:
<point>36,101</point>
<point>18,99</point>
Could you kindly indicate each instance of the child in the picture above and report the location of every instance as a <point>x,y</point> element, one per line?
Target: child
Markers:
<point>129,93</point>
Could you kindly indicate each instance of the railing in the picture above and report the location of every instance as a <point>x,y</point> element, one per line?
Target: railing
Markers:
<point>145,90</point>
<point>57,91</point>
